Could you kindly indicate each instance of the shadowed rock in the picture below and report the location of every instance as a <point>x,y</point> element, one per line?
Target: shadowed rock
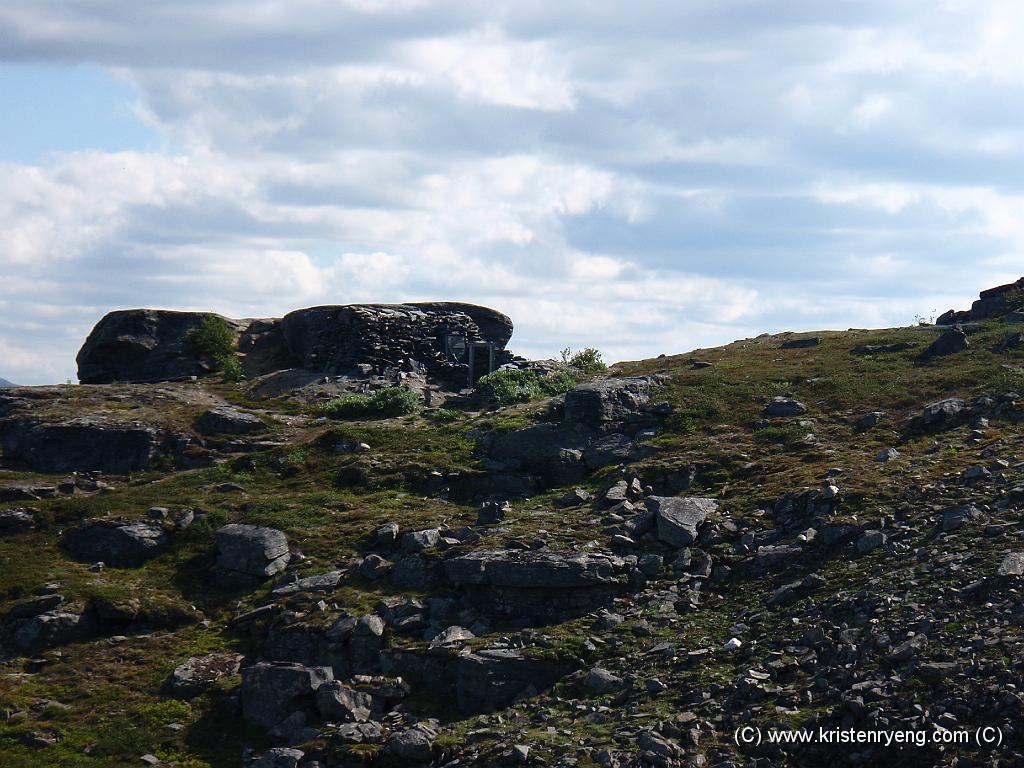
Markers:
<point>117,543</point>
<point>250,554</point>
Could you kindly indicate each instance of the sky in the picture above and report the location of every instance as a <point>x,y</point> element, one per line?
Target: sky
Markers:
<point>646,177</point>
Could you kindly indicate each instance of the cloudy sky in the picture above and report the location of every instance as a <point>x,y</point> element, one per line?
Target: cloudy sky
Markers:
<point>644,177</point>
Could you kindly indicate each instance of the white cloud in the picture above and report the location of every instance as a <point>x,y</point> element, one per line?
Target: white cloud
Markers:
<point>643,178</point>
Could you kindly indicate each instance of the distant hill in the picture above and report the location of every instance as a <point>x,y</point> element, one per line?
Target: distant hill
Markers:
<point>6,383</point>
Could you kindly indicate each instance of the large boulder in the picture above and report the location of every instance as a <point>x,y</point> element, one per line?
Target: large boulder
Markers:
<point>678,518</point>
<point>953,340</point>
<point>494,679</point>
<point>537,587</point>
<point>117,542</point>
<point>250,554</point>
<point>143,345</point>
<point>228,421</point>
<point>52,628</point>
<point>200,673</point>
<point>608,403</point>
<point>273,690</point>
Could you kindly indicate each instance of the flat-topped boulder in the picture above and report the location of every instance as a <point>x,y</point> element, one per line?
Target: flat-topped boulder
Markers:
<point>537,587</point>
<point>521,568</point>
<point>225,420</point>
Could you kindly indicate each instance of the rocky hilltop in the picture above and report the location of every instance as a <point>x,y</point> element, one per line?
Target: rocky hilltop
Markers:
<point>643,566</point>
<point>151,345</point>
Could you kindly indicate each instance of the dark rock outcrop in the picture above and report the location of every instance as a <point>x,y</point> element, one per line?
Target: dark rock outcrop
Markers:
<point>993,302</point>
<point>116,542</point>
<point>80,445</point>
<point>599,423</point>
<point>536,586</point>
<point>141,345</point>
<point>271,691</point>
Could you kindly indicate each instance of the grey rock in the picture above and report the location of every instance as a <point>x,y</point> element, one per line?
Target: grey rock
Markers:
<point>16,521</point>
<point>279,757</point>
<point>80,445</point>
<point>387,534</point>
<point>117,543</point>
<point>1012,565</point>
<point>373,567</point>
<point>678,518</point>
<point>249,554</point>
<point>950,342</point>
<point>805,343</point>
<point>785,406</point>
<point>575,497</point>
<point>228,421</point>
<point>492,512</point>
<point>51,629</point>
<point>452,636</point>
<point>417,541</point>
<point>870,541</point>
<point>492,679</point>
<point>605,402</point>
<point>943,411</point>
<point>869,421</point>
<point>200,673</point>
<point>887,454</point>
<point>271,691</point>
<point>601,681</point>
<point>517,568</point>
<point>907,650</point>
<point>340,704</point>
<point>414,744</point>
<point>953,518</point>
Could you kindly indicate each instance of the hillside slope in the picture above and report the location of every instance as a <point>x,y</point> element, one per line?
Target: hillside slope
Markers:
<point>767,534</point>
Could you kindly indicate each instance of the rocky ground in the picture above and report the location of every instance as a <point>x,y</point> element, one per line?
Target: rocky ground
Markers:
<point>814,530</point>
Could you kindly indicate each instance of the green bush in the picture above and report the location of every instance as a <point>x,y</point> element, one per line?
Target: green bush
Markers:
<point>395,401</point>
<point>444,415</point>
<point>511,385</point>
<point>587,360</point>
<point>215,339</point>
<point>390,401</point>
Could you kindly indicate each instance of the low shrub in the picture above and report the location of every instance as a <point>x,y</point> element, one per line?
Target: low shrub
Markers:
<point>390,401</point>
<point>587,360</point>
<point>215,339</point>
<point>512,385</point>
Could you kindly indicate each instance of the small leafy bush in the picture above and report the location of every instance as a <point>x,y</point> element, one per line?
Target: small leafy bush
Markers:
<point>511,385</point>
<point>444,415</point>
<point>587,360</point>
<point>215,339</point>
<point>390,401</point>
